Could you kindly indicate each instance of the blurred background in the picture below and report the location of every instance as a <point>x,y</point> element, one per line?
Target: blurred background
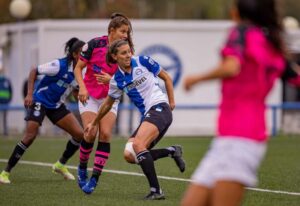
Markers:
<point>184,36</point>
<point>139,9</point>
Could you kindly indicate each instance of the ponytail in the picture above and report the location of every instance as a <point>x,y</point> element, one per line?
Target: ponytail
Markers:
<point>71,46</point>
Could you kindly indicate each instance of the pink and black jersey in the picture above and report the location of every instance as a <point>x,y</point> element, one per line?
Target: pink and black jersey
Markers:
<point>94,55</point>
<point>242,108</point>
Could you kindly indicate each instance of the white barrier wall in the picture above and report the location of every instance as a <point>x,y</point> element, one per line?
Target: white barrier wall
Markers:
<point>182,47</point>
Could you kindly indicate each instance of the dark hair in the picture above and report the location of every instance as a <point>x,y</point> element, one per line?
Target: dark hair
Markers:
<point>263,13</point>
<point>118,20</point>
<point>71,46</point>
<point>113,49</point>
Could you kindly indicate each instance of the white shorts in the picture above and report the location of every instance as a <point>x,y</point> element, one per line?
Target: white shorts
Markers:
<point>93,105</point>
<point>230,158</point>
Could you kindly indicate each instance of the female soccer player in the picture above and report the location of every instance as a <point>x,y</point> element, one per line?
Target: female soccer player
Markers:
<point>137,76</point>
<point>48,100</point>
<point>252,59</point>
<point>93,89</point>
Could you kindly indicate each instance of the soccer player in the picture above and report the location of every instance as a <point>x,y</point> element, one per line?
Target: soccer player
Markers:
<point>93,89</point>
<point>252,59</point>
<point>56,83</point>
<point>137,76</point>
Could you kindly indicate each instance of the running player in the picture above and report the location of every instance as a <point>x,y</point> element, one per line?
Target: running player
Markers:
<point>48,100</point>
<point>137,76</point>
<point>252,59</point>
<point>93,89</point>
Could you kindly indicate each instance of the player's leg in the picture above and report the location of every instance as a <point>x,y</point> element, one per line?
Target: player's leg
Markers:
<point>86,148</point>
<point>146,133</point>
<point>227,193</point>
<point>174,152</point>
<point>68,122</point>
<point>103,150</point>
<point>88,112</point>
<point>35,116</point>
<point>196,195</point>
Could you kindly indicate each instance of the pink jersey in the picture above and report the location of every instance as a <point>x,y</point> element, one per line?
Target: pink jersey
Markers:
<point>242,108</point>
<point>94,55</point>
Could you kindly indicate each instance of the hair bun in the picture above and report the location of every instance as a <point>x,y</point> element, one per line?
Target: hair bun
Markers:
<point>116,14</point>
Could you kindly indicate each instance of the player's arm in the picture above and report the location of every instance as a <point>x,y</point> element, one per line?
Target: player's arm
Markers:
<point>91,128</point>
<point>82,93</point>
<point>169,87</point>
<point>30,87</point>
<point>228,67</point>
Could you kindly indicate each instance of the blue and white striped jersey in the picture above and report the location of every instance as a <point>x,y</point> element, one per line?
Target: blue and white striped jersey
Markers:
<point>141,85</point>
<point>56,83</point>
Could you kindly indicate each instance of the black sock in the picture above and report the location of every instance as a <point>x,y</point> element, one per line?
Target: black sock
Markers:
<point>147,165</point>
<point>160,153</point>
<point>15,156</point>
<point>101,156</point>
<point>85,151</point>
<point>71,148</point>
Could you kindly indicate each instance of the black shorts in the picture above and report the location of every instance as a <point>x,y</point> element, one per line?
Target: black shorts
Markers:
<point>161,116</point>
<point>37,112</point>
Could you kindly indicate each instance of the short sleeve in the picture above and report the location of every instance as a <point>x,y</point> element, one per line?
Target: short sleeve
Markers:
<point>235,43</point>
<point>50,68</point>
<point>150,64</point>
<point>87,51</point>
<point>114,91</point>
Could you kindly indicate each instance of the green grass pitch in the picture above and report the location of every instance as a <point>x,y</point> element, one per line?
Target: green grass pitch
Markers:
<point>37,185</point>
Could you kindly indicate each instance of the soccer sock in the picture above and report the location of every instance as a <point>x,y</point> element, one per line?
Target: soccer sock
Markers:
<point>71,148</point>
<point>85,151</point>
<point>15,156</point>
<point>147,165</point>
<point>101,156</point>
<point>161,153</point>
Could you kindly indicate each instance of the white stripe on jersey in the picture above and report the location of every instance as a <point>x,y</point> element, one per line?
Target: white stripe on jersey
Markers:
<point>50,68</point>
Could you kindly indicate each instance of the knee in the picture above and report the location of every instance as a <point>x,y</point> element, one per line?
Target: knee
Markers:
<point>28,138</point>
<point>78,136</point>
<point>129,157</point>
<point>129,154</point>
<point>137,146</point>
<point>105,135</point>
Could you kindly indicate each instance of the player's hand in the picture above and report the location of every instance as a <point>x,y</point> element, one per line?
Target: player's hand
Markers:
<point>188,83</point>
<point>83,95</point>
<point>102,78</point>
<point>172,105</point>
<point>28,101</point>
<point>90,131</point>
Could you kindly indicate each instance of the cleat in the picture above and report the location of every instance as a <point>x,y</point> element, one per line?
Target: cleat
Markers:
<point>177,156</point>
<point>4,177</point>
<point>90,186</point>
<point>155,196</point>
<point>59,168</point>
<point>82,176</point>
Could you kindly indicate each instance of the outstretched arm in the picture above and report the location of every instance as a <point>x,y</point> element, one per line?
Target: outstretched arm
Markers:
<point>228,67</point>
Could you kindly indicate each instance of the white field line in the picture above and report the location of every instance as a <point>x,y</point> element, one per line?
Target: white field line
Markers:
<point>43,164</point>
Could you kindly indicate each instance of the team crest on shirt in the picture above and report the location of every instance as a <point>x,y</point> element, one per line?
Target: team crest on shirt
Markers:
<point>138,72</point>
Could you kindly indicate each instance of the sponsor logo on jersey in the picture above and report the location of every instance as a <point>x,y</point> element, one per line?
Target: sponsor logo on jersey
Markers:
<point>136,83</point>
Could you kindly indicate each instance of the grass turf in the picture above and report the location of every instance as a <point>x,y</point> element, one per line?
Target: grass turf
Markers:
<point>37,185</point>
